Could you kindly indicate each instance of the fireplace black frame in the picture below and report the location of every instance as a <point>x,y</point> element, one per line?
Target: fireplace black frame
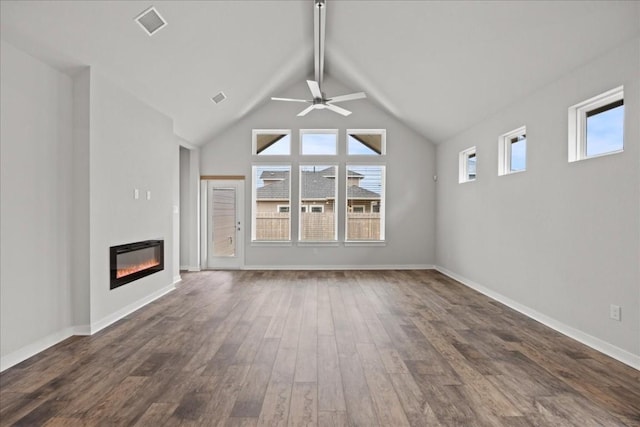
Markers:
<point>114,251</point>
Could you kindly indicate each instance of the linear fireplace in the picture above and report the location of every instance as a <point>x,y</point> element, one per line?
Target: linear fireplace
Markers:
<point>135,260</point>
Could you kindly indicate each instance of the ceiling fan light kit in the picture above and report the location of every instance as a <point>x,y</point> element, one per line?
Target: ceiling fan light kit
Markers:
<point>320,101</point>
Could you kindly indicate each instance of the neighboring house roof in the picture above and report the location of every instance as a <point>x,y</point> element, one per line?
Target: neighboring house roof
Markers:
<point>315,185</point>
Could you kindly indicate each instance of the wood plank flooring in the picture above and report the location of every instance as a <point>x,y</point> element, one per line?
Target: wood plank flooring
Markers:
<point>297,348</point>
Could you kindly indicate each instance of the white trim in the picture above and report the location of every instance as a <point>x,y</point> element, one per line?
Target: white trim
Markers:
<point>504,151</point>
<point>341,267</point>
<point>611,350</point>
<point>177,279</point>
<point>577,143</point>
<point>114,317</point>
<point>355,243</point>
<point>331,243</point>
<point>463,172</point>
<point>194,269</point>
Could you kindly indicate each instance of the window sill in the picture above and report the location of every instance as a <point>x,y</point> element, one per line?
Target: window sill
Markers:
<point>269,243</point>
<point>356,243</point>
<point>318,243</point>
<point>597,156</point>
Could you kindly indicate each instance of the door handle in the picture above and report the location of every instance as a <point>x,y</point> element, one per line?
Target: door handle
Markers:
<point>230,240</point>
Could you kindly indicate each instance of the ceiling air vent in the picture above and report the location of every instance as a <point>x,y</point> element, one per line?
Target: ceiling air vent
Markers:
<point>151,21</point>
<point>219,98</point>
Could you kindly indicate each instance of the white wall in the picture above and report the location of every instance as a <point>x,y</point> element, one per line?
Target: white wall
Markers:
<point>36,194</point>
<point>72,152</point>
<point>560,240</point>
<point>132,146</point>
<point>410,190</point>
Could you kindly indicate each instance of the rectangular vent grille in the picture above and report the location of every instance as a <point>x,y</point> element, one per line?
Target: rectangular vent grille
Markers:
<point>219,98</point>
<point>151,21</point>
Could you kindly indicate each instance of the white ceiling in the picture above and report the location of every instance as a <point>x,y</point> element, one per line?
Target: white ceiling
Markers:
<point>438,66</point>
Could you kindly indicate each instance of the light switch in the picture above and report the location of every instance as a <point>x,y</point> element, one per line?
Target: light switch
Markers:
<point>136,194</point>
<point>148,194</point>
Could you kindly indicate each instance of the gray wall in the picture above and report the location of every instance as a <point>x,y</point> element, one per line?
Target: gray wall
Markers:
<point>132,146</point>
<point>184,208</point>
<point>36,199</point>
<point>72,152</point>
<point>410,190</point>
<point>561,240</point>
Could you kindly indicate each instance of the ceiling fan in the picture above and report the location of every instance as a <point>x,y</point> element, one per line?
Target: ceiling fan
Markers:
<point>320,101</point>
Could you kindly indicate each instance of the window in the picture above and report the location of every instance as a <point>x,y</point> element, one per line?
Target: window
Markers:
<point>271,142</point>
<point>318,194</point>
<point>366,142</point>
<point>596,126</point>
<point>365,186</point>
<point>467,167</point>
<point>271,216</point>
<point>319,142</point>
<point>512,151</point>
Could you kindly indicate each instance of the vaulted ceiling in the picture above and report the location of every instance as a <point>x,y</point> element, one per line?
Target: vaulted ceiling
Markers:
<point>440,67</point>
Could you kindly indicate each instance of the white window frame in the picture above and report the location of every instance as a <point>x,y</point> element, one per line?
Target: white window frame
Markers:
<point>383,147</point>
<point>312,207</point>
<point>303,208</point>
<point>463,173</point>
<point>353,209</point>
<point>319,132</point>
<point>577,144</point>
<point>283,206</point>
<point>383,198</point>
<point>254,141</point>
<point>504,151</point>
<point>254,205</point>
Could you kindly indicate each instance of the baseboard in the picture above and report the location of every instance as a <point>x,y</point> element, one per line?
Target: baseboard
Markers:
<point>34,348</point>
<point>596,343</point>
<point>193,269</point>
<point>177,279</point>
<point>114,317</point>
<point>340,267</point>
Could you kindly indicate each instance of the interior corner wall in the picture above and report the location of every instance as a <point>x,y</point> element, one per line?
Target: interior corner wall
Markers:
<point>189,209</point>
<point>36,202</point>
<point>560,240</point>
<point>80,232</point>
<point>132,147</point>
<point>410,189</point>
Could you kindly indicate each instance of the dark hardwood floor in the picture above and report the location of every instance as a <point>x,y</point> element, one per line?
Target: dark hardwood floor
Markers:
<point>363,348</point>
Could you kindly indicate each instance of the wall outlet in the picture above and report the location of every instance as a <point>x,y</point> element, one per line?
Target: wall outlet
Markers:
<point>615,312</point>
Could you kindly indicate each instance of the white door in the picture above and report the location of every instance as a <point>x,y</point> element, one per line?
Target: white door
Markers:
<point>225,231</point>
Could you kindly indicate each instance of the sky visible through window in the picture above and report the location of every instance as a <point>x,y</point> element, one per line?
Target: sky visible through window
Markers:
<point>319,143</point>
<point>605,131</point>
<point>358,148</point>
<point>281,147</point>
<point>519,154</point>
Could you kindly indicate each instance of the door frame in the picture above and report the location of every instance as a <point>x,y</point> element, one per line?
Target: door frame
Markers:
<point>207,184</point>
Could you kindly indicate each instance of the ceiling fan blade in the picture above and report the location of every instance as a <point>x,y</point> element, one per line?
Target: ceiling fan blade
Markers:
<point>337,109</point>
<point>306,110</point>
<point>349,97</point>
<point>273,98</point>
<point>315,89</point>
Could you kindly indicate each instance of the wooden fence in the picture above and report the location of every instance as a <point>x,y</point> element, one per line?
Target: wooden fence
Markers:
<point>317,226</point>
